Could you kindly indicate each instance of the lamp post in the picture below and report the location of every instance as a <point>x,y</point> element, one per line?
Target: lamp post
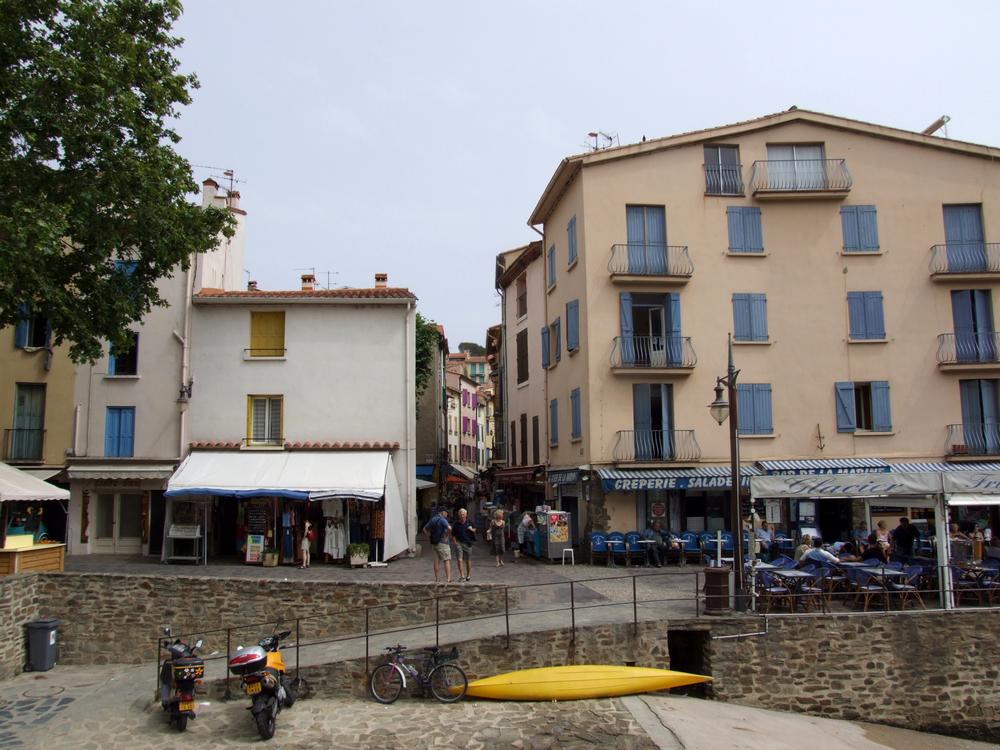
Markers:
<point>721,409</point>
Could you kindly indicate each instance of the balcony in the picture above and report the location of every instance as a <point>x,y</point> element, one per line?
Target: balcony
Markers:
<point>662,355</point>
<point>800,178</point>
<point>968,351</point>
<point>723,179</point>
<point>965,261</point>
<point>23,445</point>
<point>973,439</point>
<point>656,446</point>
<point>644,263</point>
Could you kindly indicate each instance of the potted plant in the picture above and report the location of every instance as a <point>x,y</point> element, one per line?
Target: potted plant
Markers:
<point>357,554</point>
<point>270,558</point>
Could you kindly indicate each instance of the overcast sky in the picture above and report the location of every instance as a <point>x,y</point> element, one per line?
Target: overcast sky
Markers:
<point>414,138</point>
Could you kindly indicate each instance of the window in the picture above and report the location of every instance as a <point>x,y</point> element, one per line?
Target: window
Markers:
<point>577,423</point>
<point>267,334</point>
<point>119,431</point>
<point>571,241</point>
<point>554,422</point>
<point>980,418</point>
<point>264,420</point>
<point>646,231</point>
<point>555,340</point>
<point>722,170</point>
<point>749,317</point>
<point>521,290</point>
<point>513,444</point>
<point>860,228</point>
<point>796,167</point>
<point>754,408</point>
<point>126,361</point>
<point>863,407</point>
<point>27,439</point>
<point>465,425</point>
<point>465,398</point>
<point>545,347</point>
<point>32,331</point>
<point>126,267</point>
<point>535,446</point>
<point>865,312</point>
<point>745,233</point>
<point>524,439</point>
<point>552,266</point>
<point>573,325</point>
<point>522,357</point>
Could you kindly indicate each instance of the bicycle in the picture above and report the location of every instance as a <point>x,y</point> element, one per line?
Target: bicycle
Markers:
<point>446,681</point>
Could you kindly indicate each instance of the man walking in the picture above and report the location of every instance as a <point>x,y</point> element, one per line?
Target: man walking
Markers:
<point>464,534</point>
<point>437,530</point>
<point>903,537</point>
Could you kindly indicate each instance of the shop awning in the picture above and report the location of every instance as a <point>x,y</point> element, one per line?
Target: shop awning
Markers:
<point>944,467</point>
<point>565,476</point>
<point>462,471</point>
<point>423,484</point>
<point>517,474</point>
<point>43,474</point>
<point>17,485</point>
<point>973,499</point>
<point>694,478</point>
<point>425,471</point>
<point>846,485</point>
<point>826,466</point>
<point>121,470</point>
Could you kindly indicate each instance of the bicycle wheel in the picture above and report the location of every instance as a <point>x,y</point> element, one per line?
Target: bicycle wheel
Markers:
<point>386,683</point>
<point>448,683</point>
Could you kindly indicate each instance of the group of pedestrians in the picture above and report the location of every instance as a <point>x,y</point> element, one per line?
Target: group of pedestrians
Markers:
<point>441,532</point>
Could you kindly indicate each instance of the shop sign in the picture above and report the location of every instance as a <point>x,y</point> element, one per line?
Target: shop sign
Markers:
<point>670,483</point>
<point>255,548</point>
<point>831,470</point>
<point>658,510</point>
<point>872,485</point>
<point>972,481</point>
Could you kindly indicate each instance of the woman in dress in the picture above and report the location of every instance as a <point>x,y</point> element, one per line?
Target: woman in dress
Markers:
<point>307,536</point>
<point>496,535</point>
<point>804,547</point>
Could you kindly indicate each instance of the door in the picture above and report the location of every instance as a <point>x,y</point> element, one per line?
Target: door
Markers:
<point>972,316</point>
<point>29,420</point>
<point>980,416</point>
<point>647,239</point>
<point>652,418</point>
<point>963,236</point>
<point>118,523</point>
<point>795,167</point>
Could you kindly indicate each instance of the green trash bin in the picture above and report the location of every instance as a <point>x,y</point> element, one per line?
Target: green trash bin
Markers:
<point>43,645</point>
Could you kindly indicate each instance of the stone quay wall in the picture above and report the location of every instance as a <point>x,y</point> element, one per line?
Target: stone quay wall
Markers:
<point>17,608</point>
<point>110,618</point>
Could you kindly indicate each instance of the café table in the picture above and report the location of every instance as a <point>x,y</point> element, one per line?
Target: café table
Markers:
<point>795,579</point>
<point>646,543</point>
<point>613,544</point>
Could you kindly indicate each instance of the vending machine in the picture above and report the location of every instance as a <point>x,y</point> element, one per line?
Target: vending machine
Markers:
<point>554,531</point>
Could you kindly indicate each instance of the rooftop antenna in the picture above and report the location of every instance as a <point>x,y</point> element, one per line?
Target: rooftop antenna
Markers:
<point>941,122</point>
<point>602,140</point>
<point>328,275</point>
<point>227,176</point>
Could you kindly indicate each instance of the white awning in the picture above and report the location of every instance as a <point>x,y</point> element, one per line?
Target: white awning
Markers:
<point>43,474</point>
<point>423,484</point>
<point>17,485</point>
<point>120,471</point>
<point>463,471</point>
<point>974,499</point>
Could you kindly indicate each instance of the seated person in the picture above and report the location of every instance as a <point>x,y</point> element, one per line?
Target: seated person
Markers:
<point>804,547</point>
<point>818,555</point>
<point>765,538</point>
<point>656,554</point>
<point>847,552</point>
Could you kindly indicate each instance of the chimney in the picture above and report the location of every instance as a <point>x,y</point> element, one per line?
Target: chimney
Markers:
<point>251,286</point>
<point>308,282</point>
<point>234,199</point>
<point>381,280</point>
<point>208,190</point>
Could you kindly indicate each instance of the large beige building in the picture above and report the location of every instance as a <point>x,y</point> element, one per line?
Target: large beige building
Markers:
<point>851,262</point>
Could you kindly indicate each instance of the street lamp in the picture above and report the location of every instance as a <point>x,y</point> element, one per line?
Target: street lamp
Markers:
<point>721,409</point>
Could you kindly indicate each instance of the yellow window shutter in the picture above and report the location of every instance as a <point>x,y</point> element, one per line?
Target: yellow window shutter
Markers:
<point>267,334</point>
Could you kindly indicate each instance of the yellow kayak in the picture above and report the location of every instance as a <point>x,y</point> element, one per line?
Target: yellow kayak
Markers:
<point>579,681</point>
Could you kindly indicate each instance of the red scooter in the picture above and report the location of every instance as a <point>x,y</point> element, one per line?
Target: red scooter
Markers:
<point>179,676</point>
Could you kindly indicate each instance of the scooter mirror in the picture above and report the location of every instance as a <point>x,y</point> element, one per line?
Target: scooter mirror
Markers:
<point>198,643</point>
<point>166,630</point>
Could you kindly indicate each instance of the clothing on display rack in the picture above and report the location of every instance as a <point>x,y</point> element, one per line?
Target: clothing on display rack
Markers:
<point>333,539</point>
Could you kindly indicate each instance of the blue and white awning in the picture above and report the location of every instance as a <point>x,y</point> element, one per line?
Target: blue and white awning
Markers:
<point>826,466</point>
<point>694,478</point>
<point>943,467</point>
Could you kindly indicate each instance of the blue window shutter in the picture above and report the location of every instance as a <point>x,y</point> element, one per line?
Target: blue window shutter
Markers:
<point>574,399</point>
<point>753,232</point>
<point>742,330</point>
<point>849,223</point>
<point>763,424</point>
<point>868,227</point>
<point>734,218</point>
<point>874,318</point>
<point>553,422</point>
<point>21,329</point>
<point>881,413</point>
<point>571,240</point>
<point>758,316</point>
<point>126,434</point>
<point>745,408</point>
<point>856,313</point>
<point>545,347</point>
<point>675,342</point>
<point>552,265</point>
<point>846,419</point>
<point>112,362</point>
<point>573,325</point>
<point>112,427</point>
<point>556,329</point>
<point>628,332</point>
<point>126,267</point>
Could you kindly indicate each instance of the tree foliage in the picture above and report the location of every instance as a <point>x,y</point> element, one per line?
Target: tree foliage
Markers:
<point>88,172</point>
<point>428,339</point>
<point>476,350</point>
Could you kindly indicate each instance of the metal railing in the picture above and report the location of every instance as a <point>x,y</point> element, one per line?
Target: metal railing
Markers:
<point>973,439</point>
<point>973,347</point>
<point>264,353</point>
<point>646,259</point>
<point>724,179</point>
<point>965,257</point>
<point>669,352</point>
<point>800,175</point>
<point>23,444</point>
<point>656,445</point>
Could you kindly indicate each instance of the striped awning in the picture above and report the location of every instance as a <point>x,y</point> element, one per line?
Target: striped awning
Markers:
<point>943,467</point>
<point>696,477</point>
<point>826,466</point>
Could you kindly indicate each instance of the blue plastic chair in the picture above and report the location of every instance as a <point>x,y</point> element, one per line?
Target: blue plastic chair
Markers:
<point>691,546</point>
<point>617,549</point>
<point>634,550</point>
<point>598,545</point>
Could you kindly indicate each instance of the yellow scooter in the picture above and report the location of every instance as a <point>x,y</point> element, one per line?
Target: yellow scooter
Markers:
<point>262,670</point>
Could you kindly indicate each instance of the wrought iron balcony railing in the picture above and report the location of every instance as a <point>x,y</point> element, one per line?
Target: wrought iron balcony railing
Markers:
<point>724,179</point>
<point>656,445</point>
<point>650,259</point>
<point>968,348</point>
<point>23,444</point>
<point>800,175</point>
<point>670,352</point>
<point>973,439</point>
<point>966,257</point>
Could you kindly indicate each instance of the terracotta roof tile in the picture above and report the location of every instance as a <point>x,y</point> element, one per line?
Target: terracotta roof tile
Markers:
<point>309,445</point>
<point>376,293</point>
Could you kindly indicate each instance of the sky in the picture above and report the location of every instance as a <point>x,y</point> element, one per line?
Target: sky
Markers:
<point>414,138</point>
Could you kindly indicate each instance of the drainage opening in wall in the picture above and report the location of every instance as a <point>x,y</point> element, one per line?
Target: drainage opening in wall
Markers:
<point>687,649</point>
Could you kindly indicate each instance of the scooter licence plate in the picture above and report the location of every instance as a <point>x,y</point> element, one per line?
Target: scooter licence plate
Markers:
<point>185,706</point>
<point>253,688</point>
